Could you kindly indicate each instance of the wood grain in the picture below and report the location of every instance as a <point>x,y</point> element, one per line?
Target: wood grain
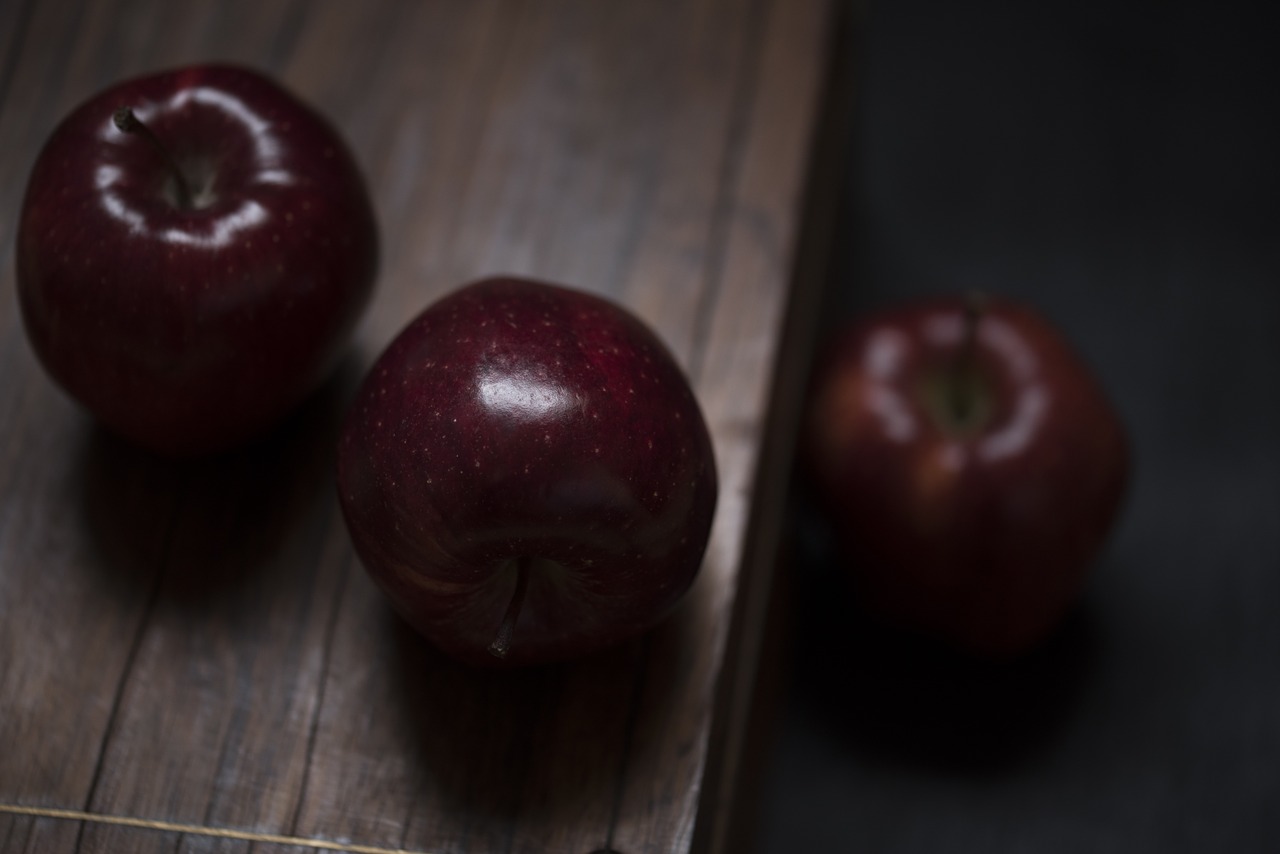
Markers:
<point>195,643</point>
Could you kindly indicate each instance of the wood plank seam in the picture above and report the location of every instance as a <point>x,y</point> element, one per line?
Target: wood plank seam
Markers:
<point>195,829</point>
<point>742,103</point>
<point>135,645</point>
<point>633,719</point>
<point>7,73</point>
<point>744,98</point>
<point>11,61</point>
<point>288,36</point>
<point>313,726</point>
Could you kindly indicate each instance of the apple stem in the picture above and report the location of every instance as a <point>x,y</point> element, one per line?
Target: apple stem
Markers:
<point>127,122</point>
<point>963,384</point>
<point>502,643</point>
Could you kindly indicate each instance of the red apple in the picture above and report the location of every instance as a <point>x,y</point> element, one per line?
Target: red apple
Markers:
<point>193,252</point>
<point>972,467</point>
<point>527,475</point>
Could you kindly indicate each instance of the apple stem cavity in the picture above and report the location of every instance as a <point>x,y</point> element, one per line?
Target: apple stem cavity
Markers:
<point>128,122</point>
<point>965,386</point>
<point>957,393</point>
<point>502,643</point>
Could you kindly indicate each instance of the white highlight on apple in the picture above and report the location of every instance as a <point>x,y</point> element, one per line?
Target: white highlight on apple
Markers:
<point>896,419</point>
<point>225,227</point>
<point>1012,348</point>
<point>886,351</point>
<point>526,397</point>
<point>105,178</point>
<point>1030,410</point>
<point>266,148</point>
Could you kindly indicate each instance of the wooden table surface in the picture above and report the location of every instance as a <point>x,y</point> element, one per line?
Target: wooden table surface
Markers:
<point>191,658</point>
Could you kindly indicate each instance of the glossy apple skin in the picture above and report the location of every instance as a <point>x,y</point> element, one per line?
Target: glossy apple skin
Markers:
<point>515,420</point>
<point>981,537</point>
<point>191,330</point>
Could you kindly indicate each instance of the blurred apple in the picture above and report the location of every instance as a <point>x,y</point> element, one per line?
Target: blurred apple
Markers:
<point>971,466</point>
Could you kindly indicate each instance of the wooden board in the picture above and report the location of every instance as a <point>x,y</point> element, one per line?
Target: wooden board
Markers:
<point>191,659</point>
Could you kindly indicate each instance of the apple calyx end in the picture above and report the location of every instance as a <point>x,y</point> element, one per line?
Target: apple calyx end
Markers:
<point>502,642</point>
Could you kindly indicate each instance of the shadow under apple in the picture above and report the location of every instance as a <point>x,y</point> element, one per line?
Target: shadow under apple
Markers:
<point>198,529</point>
<point>525,747</point>
<point>895,696</point>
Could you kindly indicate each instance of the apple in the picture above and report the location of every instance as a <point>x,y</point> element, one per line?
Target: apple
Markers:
<point>971,466</point>
<point>527,475</point>
<point>193,252</point>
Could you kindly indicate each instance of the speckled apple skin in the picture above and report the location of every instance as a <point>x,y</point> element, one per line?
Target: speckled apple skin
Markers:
<point>983,539</point>
<point>190,331</point>
<point>513,420</point>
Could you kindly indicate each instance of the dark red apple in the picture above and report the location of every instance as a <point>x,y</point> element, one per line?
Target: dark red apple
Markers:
<point>527,475</point>
<point>972,467</point>
<point>193,252</point>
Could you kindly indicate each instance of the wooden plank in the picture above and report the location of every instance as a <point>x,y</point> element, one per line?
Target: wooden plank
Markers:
<point>526,139</point>
<point>194,643</point>
<point>129,540</point>
<point>746,702</point>
<point>762,203</point>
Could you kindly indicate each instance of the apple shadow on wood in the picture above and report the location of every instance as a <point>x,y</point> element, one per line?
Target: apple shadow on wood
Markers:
<point>478,744</point>
<point>527,746</point>
<point>206,527</point>
<point>896,696</point>
<point>516,746</point>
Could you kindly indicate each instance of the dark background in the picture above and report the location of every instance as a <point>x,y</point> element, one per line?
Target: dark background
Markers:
<point>1114,164</point>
